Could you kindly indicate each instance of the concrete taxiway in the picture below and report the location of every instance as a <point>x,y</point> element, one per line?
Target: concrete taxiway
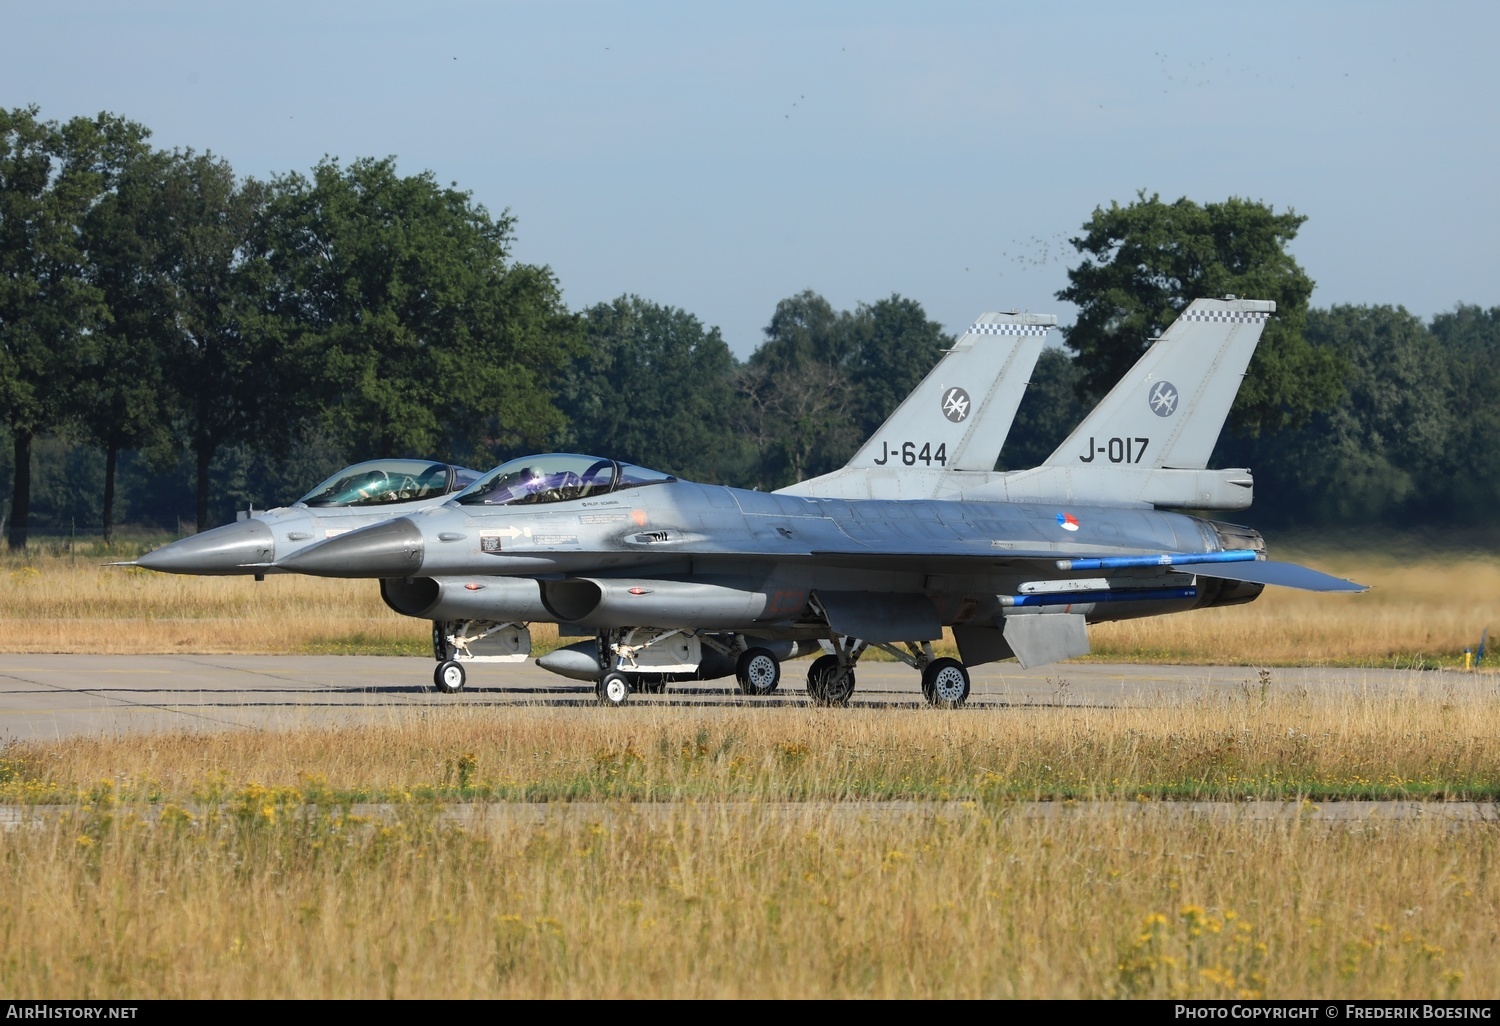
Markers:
<point>48,696</point>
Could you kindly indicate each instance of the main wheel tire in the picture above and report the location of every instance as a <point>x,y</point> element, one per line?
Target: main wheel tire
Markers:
<point>828,683</point>
<point>758,672</point>
<point>945,683</point>
<point>613,688</point>
<point>449,677</point>
<point>815,674</point>
<point>651,684</point>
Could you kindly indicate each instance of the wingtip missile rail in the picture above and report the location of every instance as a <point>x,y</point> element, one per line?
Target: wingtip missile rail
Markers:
<point>1163,559</point>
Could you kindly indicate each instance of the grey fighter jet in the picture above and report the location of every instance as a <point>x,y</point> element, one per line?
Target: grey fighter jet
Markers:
<point>994,357</point>
<point>355,497</point>
<point>656,567</point>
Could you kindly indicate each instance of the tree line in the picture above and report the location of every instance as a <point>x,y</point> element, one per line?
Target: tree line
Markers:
<point>177,339</point>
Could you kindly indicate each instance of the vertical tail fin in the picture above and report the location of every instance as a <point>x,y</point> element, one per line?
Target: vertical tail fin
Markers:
<point>965,405</point>
<point>1168,410</point>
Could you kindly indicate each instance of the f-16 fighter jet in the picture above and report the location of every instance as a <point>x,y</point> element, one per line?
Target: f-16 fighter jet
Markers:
<point>1017,565</point>
<point>355,497</point>
<point>994,357</point>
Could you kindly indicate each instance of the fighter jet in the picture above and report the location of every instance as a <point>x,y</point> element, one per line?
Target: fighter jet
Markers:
<point>355,497</point>
<point>655,567</point>
<point>994,356</point>
<point>1000,348</point>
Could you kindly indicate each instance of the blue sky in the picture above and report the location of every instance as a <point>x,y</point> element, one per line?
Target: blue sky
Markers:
<point>721,157</point>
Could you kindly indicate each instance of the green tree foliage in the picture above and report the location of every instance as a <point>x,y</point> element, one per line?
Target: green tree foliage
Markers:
<point>1049,411</point>
<point>400,301</point>
<point>895,345</point>
<point>51,177</point>
<point>824,380</point>
<point>123,388</point>
<point>799,407</point>
<point>1378,456</point>
<point>1470,338</point>
<point>228,376</point>
<point>1145,262</point>
<point>653,386</point>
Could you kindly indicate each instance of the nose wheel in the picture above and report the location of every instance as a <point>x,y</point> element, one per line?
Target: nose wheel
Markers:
<point>613,688</point>
<point>449,677</point>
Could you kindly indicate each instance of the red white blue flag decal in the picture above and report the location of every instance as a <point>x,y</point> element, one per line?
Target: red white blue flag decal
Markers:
<point>1067,521</point>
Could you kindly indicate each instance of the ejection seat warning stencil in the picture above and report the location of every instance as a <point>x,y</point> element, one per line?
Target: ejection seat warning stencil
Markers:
<point>489,541</point>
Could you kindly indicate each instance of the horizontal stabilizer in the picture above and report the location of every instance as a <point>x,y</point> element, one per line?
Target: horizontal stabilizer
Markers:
<point>1287,575</point>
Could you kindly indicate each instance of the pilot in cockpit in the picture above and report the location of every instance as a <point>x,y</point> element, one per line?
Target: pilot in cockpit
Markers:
<point>376,486</point>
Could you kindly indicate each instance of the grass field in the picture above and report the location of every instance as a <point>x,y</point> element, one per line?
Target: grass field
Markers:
<point>1423,610</point>
<point>233,865</point>
<point>1435,738</point>
<point>257,901</point>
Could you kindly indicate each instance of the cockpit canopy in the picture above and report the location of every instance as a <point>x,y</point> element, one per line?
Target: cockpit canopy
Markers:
<point>555,477</point>
<point>378,482</point>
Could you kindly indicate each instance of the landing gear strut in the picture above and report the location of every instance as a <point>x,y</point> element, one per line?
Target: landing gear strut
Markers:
<point>830,679</point>
<point>945,682</point>
<point>455,642</point>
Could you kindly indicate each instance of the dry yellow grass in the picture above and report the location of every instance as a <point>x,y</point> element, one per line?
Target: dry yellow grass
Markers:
<point>52,603</point>
<point>258,900</point>
<point>1426,610</point>
<point>232,865</point>
<point>1439,735</point>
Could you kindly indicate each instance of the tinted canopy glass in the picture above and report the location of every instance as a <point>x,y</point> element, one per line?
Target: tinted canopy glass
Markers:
<point>377,482</point>
<point>555,477</point>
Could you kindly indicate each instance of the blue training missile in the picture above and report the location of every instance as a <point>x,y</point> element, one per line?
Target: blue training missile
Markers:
<point>1165,559</point>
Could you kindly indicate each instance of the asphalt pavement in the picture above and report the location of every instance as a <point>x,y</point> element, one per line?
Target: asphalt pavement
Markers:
<point>47,696</point>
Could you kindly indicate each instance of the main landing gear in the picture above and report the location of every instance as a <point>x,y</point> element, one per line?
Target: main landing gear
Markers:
<point>830,680</point>
<point>758,672</point>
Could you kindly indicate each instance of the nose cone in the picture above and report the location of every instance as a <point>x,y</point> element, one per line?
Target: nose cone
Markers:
<point>391,549</point>
<point>239,548</point>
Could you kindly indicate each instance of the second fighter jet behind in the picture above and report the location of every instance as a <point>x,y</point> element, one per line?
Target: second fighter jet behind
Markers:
<point>652,564</point>
<point>358,496</point>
